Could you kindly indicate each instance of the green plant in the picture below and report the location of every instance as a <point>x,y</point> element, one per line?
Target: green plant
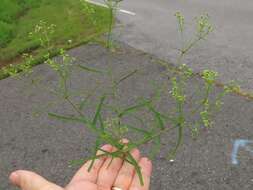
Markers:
<point>110,121</point>
<point>203,103</point>
<point>6,33</point>
<point>112,6</point>
<point>43,32</point>
<point>9,12</point>
<point>21,69</point>
<point>89,11</point>
<point>26,4</point>
<point>72,26</point>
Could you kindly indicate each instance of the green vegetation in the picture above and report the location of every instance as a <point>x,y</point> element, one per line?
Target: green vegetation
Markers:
<point>193,109</point>
<point>112,6</point>
<point>153,123</point>
<point>73,26</point>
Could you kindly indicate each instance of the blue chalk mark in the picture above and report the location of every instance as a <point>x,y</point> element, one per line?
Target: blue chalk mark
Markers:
<point>240,143</point>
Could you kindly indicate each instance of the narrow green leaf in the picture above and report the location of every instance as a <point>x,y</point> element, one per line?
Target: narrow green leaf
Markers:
<point>139,130</point>
<point>172,153</point>
<point>169,118</point>
<point>90,69</point>
<point>136,166</point>
<point>68,118</point>
<point>101,123</point>
<point>117,153</point>
<point>98,110</point>
<point>98,142</point>
<point>74,119</point>
<point>126,76</point>
<point>157,117</point>
<point>133,108</point>
<point>156,147</point>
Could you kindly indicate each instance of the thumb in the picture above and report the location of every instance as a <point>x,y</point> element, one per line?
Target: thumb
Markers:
<point>27,180</point>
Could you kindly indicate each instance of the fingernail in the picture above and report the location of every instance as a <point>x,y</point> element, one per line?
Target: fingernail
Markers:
<point>14,178</point>
<point>147,161</point>
<point>147,166</point>
<point>106,147</point>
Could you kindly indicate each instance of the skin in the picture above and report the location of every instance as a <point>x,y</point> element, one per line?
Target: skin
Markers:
<point>102,176</point>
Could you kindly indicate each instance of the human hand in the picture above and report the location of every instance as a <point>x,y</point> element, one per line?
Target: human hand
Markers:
<point>104,175</point>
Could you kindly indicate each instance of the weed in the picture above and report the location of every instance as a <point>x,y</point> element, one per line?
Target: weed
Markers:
<point>112,5</point>
<point>89,11</point>
<point>43,32</point>
<point>72,26</point>
<point>111,127</point>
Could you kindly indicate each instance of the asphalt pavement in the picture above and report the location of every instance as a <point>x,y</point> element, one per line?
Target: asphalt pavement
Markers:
<point>29,139</point>
<point>227,50</point>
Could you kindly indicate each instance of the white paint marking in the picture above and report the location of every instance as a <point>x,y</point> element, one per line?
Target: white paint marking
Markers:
<point>103,5</point>
<point>127,12</point>
<point>240,143</point>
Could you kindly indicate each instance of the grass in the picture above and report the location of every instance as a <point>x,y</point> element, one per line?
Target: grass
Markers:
<point>72,24</point>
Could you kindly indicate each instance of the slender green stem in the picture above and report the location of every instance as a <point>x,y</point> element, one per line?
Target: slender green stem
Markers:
<point>208,91</point>
<point>180,126</point>
<point>109,37</point>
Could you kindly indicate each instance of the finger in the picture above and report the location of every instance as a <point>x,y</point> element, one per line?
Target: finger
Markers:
<point>84,175</point>
<point>146,169</point>
<point>109,172</point>
<point>27,180</point>
<point>126,173</point>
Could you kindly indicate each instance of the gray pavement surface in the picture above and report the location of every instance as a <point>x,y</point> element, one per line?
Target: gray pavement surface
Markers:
<point>31,140</point>
<point>228,49</point>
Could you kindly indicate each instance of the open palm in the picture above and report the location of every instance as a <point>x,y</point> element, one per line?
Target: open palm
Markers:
<point>104,175</point>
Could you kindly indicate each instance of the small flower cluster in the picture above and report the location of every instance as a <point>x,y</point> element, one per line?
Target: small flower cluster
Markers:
<point>209,76</point>
<point>204,26</point>
<point>186,70</point>
<point>176,91</point>
<point>180,20</point>
<point>26,67</point>
<point>43,32</point>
